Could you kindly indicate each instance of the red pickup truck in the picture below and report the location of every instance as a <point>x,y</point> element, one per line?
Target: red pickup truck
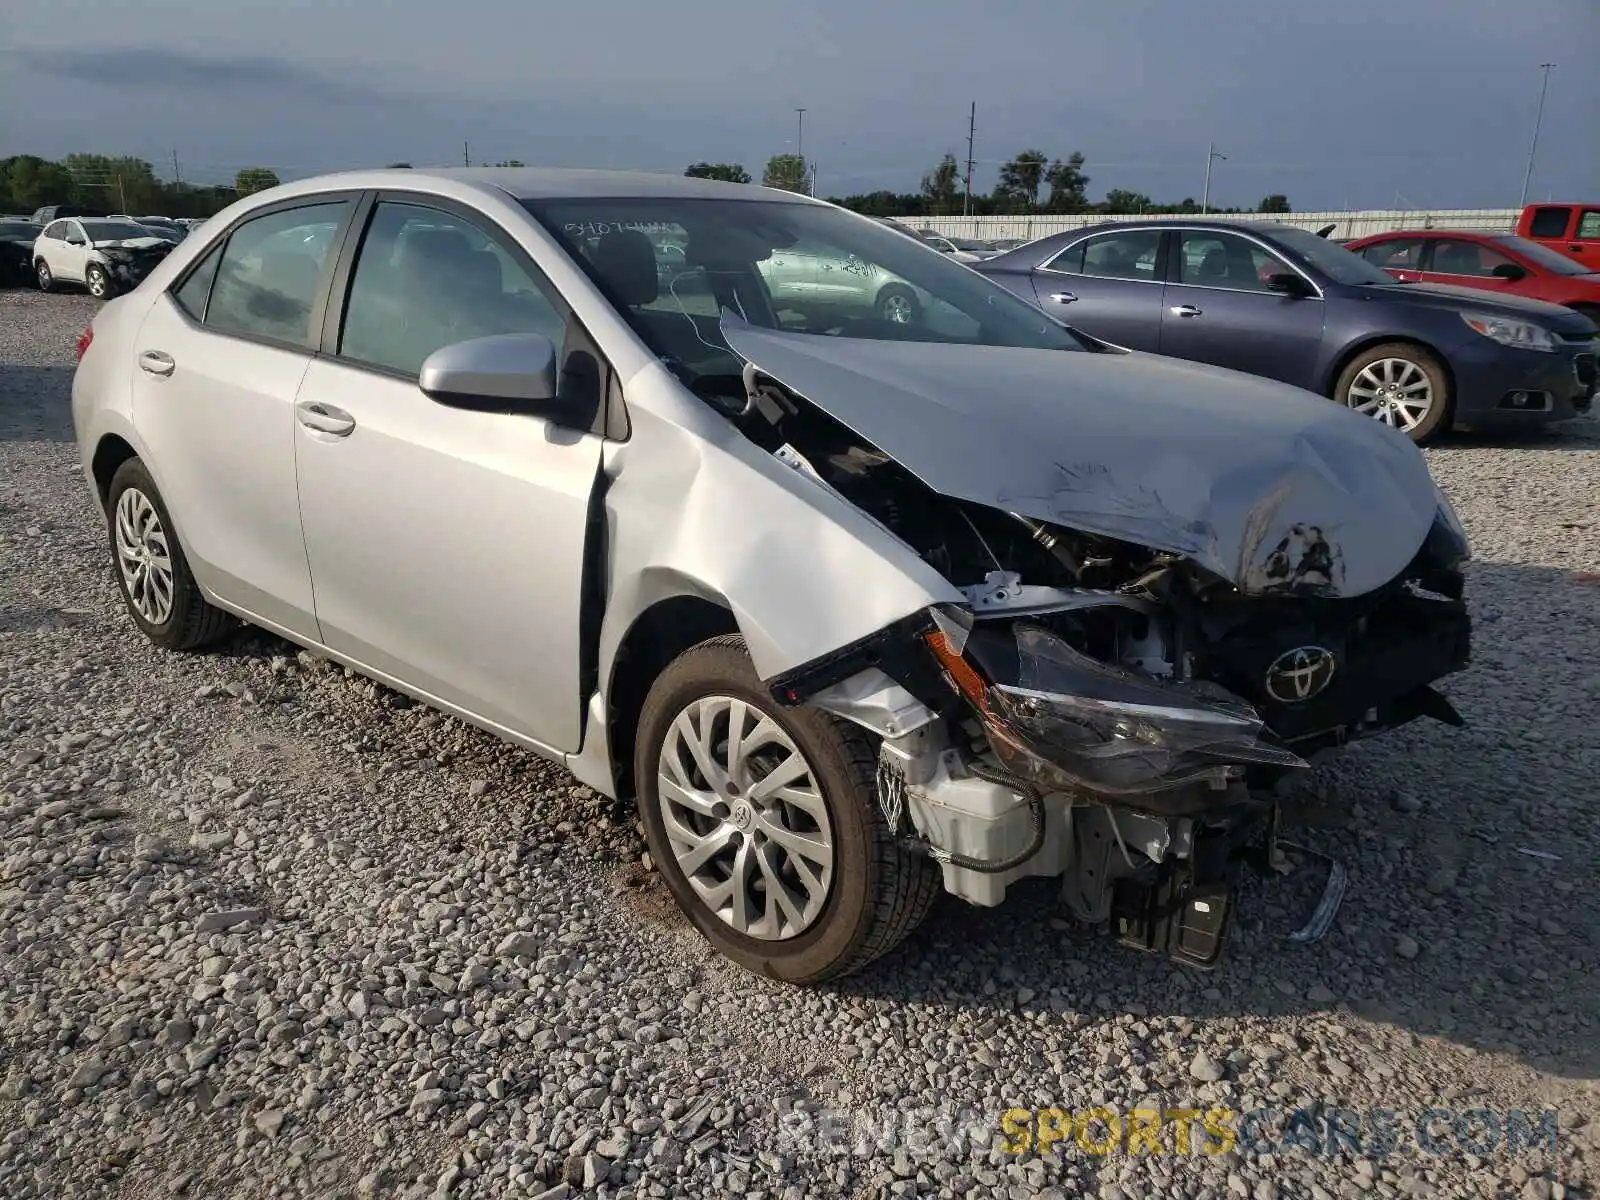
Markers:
<point>1570,229</point>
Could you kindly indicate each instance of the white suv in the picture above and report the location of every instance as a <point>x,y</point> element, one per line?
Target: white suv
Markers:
<point>103,254</point>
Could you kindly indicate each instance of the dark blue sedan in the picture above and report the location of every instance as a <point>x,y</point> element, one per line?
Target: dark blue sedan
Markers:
<point>1281,302</point>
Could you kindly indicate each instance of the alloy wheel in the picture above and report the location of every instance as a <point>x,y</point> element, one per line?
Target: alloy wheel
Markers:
<point>745,818</point>
<point>97,283</point>
<point>896,308</point>
<point>144,557</point>
<point>1395,391</point>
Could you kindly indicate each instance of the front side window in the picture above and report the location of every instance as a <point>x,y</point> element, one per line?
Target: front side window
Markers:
<point>425,279</point>
<point>1452,256</point>
<point>1396,254</point>
<point>271,271</point>
<point>1549,222</point>
<point>1226,260</point>
<point>1130,255</point>
<point>804,268</point>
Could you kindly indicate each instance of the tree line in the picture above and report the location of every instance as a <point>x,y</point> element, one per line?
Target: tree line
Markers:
<point>107,183</point>
<point>1030,182</point>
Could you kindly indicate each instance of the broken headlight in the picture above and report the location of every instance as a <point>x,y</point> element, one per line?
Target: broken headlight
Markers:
<point>1067,722</point>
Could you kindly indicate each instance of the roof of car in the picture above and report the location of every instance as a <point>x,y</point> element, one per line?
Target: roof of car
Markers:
<point>1488,234</point>
<point>553,183</point>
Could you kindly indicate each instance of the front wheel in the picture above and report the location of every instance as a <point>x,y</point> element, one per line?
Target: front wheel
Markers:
<point>41,272</point>
<point>1401,385</point>
<point>765,823</point>
<point>152,571</point>
<point>898,305</point>
<point>97,281</point>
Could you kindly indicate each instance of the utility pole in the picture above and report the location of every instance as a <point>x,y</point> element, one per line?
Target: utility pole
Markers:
<point>122,193</point>
<point>800,143</point>
<point>177,174</point>
<point>466,154</point>
<point>972,129</point>
<point>1538,118</point>
<point>1211,156</point>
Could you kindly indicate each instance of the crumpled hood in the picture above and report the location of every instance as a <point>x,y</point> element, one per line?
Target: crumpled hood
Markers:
<point>139,243</point>
<point>1269,487</point>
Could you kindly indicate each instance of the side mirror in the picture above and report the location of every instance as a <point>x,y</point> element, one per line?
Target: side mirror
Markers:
<point>1287,283</point>
<point>509,373</point>
<point>1509,271</point>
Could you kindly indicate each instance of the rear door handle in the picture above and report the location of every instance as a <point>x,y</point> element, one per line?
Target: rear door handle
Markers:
<point>325,418</point>
<point>1062,297</point>
<point>1185,310</point>
<point>156,362</point>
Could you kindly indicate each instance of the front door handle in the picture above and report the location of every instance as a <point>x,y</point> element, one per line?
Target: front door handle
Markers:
<point>156,363</point>
<point>1185,310</point>
<point>1062,297</point>
<point>325,418</point>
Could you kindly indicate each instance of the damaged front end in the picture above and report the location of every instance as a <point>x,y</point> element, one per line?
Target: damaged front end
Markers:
<point>128,262</point>
<point>1110,713</point>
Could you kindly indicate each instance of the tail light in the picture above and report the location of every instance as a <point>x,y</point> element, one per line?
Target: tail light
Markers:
<point>84,340</point>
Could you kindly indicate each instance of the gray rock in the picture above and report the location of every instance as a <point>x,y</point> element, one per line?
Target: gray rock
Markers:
<point>214,921</point>
<point>1205,1068</point>
<point>518,945</point>
<point>1406,947</point>
<point>269,1121</point>
<point>87,1074</point>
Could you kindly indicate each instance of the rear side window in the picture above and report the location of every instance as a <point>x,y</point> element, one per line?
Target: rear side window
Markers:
<point>1069,260</point>
<point>271,272</point>
<point>1589,225</point>
<point>1397,254</point>
<point>1129,255</point>
<point>192,295</point>
<point>1549,222</point>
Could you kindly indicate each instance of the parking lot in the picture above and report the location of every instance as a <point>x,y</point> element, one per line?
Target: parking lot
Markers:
<point>268,929</point>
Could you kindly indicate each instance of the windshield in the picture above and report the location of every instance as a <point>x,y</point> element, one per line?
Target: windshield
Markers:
<point>114,231</point>
<point>670,266</point>
<point>969,244</point>
<point>1543,257</point>
<point>13,229</point>
<point>1334,261</point>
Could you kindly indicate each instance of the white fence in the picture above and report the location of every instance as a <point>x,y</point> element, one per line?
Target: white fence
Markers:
<point>1345,224</point>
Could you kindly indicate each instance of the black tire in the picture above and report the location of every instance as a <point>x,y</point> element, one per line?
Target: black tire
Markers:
<point>43,276</point>
<point>880,891</point>
<point>98,280</point>
<point>193,622</point>
<point>1440,415</point>
<point>899,304</point>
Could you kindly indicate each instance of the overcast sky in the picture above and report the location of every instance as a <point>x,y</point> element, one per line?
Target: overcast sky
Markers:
<point>1358,103</point>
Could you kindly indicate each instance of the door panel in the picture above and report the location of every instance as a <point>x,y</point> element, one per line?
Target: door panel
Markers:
<point>1220,312</point>
<point>1108,286</point>
<point>219,435</point>
<point>447,547</point>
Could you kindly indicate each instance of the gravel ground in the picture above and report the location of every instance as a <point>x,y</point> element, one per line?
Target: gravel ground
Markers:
<point>267,929</point>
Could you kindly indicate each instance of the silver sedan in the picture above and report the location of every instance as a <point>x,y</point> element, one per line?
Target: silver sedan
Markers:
<point>857,601</point>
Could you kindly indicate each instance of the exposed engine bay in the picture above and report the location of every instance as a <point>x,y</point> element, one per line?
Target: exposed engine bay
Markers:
<point>1101,711</point>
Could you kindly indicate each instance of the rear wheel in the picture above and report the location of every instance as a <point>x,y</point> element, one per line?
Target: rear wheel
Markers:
<point>41,272</point>
<point>152,573</point>
<point>1401,385</point>
<point>765,823</point>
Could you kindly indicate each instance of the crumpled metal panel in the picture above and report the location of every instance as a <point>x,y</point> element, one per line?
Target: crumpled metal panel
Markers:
<point>1267,486</point>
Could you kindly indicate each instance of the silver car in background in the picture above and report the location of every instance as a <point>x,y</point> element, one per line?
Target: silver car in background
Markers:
<point>856,602</point>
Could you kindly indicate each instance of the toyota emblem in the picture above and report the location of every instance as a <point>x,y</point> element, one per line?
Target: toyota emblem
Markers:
<point>1299,674</point>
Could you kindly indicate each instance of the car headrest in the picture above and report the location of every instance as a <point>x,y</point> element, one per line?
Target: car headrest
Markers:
<point>626,260</point>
